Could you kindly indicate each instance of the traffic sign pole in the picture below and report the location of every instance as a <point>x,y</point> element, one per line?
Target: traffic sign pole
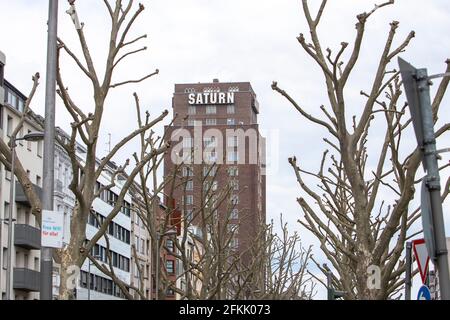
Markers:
<point>417,87</point>
<point>408,280</point>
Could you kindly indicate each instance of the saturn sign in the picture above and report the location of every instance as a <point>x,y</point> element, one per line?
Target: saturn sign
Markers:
<point>211,98</point>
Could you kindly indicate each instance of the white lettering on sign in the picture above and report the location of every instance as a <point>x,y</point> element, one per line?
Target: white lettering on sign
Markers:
<point>211,98</point>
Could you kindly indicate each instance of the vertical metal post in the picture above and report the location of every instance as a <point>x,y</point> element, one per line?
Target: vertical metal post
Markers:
<point>12,200</point>
<point>433,183</point>
<point>157,267</point>
<point>408,280</point>
<point>49,144</point>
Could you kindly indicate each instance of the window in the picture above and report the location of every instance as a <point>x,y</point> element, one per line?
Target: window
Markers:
<point>20,104</point>
<point>191,110</point>
<point>189,185</point>
<point>188,215</point>
<point>36,264</point>
<point>170,266</point>
<point>211,110</point>
<point>170,245</point>
<point>136,241</point>
<point>38,181</point>
<point>230,122</point>
<point>233,89</point>
<point>189,199</point>
<point>39,148</point>
<point>211,171</point>
<point>188,142</point>
<point>210,122</point>
<point>233,172</point>
<point>191,123</point>
<point>231,109</point>
<point>210,142</point>
<point>9,126</point>
<point>211,156</point>
<point>233,228</point>
<point>126,208</point>
<point>188,172</point>
<point>189,90</point>
<point>5,258</point>
<point>6,212</point>
<point>7,174</point>
<point>232,142</point>
<point>211,186</point>
<point>142,246</point>
<point>235,185</point>
<point>232,156</point>
<point>234,199</point>
<point>234,244</point>
<point>234,214</point>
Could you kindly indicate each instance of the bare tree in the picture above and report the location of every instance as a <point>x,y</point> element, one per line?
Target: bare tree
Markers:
<point>85,130</point>
<point>19,171</point>
<point>359,231</point>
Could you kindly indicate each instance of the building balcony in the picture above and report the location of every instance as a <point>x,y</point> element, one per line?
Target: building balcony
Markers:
<point>26,236</point>
<point>22,198</point>
<point>26,280</point>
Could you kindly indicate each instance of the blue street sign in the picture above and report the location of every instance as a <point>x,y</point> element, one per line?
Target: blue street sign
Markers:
<point>424,293</point>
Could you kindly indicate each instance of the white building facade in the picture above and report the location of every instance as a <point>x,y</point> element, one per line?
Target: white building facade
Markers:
<point>25,230</point>
<point>92,283</point>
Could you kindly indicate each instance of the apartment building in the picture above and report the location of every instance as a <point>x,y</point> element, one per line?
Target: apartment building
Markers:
<point>221,120</point>
<point>25,232</point>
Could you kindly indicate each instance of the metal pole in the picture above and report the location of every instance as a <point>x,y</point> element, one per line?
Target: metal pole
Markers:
<point>408,280</point>
<point>433,183</point>
<point>157,267</point>
<point>49,144</point>
<point>89,280</point>
<point>9,271</point>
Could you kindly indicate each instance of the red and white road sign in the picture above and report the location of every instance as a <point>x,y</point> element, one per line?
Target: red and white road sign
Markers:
<point>422,257</point>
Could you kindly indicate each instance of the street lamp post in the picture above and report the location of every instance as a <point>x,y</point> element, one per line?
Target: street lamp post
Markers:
<point>158,257</point>
<point>34,136</point>
<point>49,145</point>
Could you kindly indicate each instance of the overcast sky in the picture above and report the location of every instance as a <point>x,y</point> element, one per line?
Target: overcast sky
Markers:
<point>232,40</point>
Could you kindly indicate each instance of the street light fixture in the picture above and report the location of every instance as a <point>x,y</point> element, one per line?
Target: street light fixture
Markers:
<point>172,232</point>
<point>33,136</point>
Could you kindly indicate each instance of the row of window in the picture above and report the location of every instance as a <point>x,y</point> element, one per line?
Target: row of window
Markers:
<point>212,185</point>
<point>118,261</point>
<point>10,126</point>
<point>96,220</point>
<point>212,122</point>
<point>111,198</point>
<point>100,284</point>
<point>211,109</point>
<point>14,100</point>
<point>211,142</point>
<point>189,199</point>
<point>210,89</point>
<point>211,171</point>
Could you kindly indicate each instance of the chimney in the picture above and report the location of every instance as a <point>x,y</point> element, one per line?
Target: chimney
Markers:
<point>215,80</point>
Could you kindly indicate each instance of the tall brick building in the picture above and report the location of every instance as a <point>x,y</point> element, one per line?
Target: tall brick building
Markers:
<point>220,120</point>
